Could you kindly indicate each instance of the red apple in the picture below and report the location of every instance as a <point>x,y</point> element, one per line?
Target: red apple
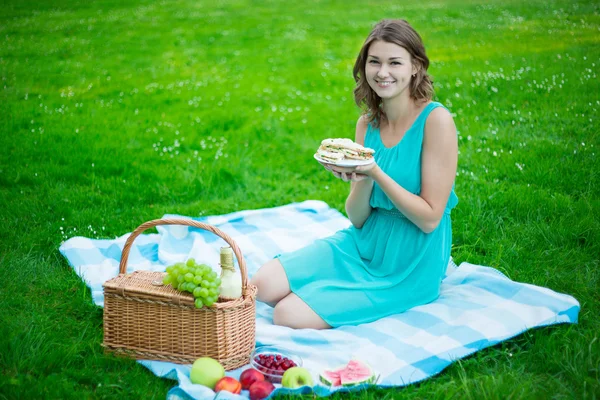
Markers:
<point>229,384</point>
<point>249,376</point>
<point>260,390</point>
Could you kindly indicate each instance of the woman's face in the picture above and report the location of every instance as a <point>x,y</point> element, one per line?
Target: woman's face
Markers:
<point>389,69</point>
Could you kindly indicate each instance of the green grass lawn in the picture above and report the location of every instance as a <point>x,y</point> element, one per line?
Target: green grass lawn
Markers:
<point>117,112</point>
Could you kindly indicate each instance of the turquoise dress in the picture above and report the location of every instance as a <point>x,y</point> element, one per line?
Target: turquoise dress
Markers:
<point>389,265</point>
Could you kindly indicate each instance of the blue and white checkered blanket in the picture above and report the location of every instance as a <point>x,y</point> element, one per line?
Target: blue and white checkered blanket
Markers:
<point>478,306</point>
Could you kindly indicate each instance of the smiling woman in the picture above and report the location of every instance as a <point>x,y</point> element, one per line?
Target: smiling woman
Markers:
<point>394,255</point>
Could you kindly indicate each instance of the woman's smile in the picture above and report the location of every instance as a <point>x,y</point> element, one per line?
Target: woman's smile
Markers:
<point>384,84</point>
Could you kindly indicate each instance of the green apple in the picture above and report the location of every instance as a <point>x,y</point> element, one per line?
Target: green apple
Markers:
<point>206,371</point>
<point>296,377</point>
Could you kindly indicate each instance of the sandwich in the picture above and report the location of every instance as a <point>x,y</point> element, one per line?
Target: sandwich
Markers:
<point>340,149</point>
<point>330,156</point>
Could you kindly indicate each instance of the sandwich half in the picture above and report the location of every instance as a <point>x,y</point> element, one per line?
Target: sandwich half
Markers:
<point>330,156</point>
<point>347,148</point>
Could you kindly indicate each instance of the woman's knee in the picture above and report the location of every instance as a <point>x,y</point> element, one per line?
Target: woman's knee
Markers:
<point>271,282</point>
<point>293,312</point>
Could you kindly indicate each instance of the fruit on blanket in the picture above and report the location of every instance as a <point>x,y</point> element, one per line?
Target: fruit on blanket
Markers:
<point>249,376</point>
<point>206,371</point>
<point>354,373</point>
<point>260,390</point>
<point>198,279</point>
<point>273,366</point>
<point>296,377</point>
<point>274,362</point>
<point>332,377</point>
<point>229,384</point>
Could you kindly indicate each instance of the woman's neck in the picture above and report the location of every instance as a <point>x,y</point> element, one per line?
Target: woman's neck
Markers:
<point>400,111</point>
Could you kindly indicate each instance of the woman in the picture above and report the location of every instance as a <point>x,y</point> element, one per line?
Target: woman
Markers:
<point>394,255</point>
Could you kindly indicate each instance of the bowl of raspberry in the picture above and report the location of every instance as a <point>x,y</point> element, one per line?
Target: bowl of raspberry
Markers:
<point>273,361</point>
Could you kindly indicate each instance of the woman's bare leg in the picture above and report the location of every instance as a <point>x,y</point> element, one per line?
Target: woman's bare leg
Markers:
<point>272,282</point>
<point>293,312</point>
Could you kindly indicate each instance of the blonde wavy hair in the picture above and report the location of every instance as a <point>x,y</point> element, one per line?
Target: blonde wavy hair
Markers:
<point>397,31</point>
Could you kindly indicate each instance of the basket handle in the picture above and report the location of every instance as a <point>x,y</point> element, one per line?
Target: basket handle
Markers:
<point>188,222</point>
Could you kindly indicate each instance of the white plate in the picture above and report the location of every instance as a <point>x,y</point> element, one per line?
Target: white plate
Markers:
<point>345,162</point>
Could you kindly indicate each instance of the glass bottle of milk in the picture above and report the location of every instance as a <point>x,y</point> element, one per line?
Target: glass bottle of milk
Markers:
<point>231,279</point>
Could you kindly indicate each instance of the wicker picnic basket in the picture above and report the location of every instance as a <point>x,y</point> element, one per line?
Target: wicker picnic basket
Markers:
<point>145,319</point>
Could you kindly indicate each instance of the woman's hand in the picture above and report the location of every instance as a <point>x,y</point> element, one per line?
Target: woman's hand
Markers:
<point>347,174</point>
<point>367,170</point>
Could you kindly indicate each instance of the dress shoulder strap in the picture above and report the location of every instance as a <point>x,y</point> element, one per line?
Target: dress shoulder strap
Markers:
<point>430,107</point>
<point>372,137</point>
<point>420,122</point>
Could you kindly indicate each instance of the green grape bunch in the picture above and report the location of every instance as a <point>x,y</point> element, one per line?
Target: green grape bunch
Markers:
<point>198,279</point>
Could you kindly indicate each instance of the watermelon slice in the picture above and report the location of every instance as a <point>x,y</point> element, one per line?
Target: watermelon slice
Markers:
<point>354,373</point>
<point>332,377</point>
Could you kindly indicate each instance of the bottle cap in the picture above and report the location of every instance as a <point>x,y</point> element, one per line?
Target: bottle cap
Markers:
<point>227,258</point>
<point>226,250</point>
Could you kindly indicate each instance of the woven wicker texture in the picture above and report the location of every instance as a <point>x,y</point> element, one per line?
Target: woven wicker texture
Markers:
<point>144,319</point>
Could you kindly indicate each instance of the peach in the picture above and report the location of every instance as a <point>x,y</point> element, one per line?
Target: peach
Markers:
<point>229,384</point>
<point>249,376</point>
<point>261,390</point>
